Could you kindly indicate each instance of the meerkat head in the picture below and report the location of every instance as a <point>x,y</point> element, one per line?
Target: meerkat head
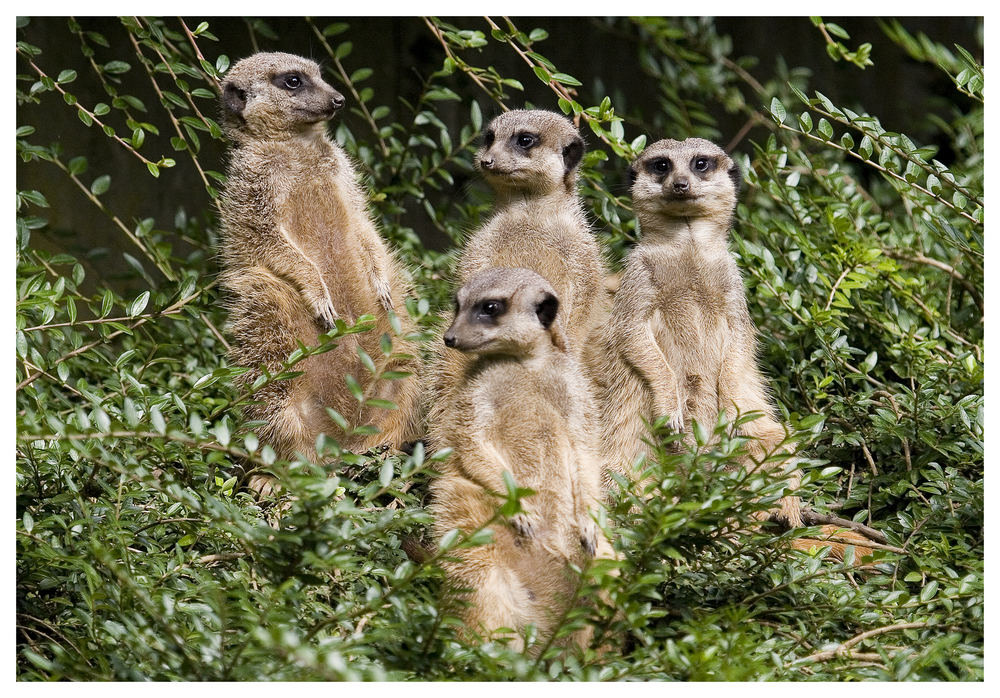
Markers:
<point>694,178</point>
<point>506,311</point>
<point>532,152</point>
<point>274,95</point>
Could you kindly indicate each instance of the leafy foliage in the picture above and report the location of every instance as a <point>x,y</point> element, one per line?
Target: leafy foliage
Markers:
<point>139,556</point>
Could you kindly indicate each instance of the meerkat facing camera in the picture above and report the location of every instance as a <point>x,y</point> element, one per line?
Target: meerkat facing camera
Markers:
<point>520,408</point>
<point>299,250</point>
<point>680,340</point>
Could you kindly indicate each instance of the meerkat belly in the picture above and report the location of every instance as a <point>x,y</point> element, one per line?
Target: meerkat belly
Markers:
<point>692,336</point>
<point>326,227</point>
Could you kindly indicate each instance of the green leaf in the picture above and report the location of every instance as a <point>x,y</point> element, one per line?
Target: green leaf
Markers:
<point>385,473</point>
<point>778,112</point>
<point>355,389</point>
<point>100,185</point>
<point>138,305</point>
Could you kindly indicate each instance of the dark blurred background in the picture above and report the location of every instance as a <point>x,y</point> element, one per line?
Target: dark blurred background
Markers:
<point>598,51</point>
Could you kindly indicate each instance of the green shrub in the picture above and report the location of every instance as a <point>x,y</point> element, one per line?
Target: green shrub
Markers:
<point>139,556</point>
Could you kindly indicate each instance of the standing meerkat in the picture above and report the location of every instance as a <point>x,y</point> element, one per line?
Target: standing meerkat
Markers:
<point>530,158</point>
<point>520,408</point>
<point>299,250</point>
<point>680,340</point>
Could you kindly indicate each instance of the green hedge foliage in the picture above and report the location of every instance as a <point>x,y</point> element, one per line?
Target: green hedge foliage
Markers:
<point>140,557</point>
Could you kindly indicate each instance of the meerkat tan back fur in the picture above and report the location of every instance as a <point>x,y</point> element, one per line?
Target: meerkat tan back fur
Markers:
<point>520,408</point>
<point>680,340</point>
<point>298,251</point>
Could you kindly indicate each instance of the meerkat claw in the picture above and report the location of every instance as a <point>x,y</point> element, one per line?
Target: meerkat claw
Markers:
<point>588,537</point>
<point>523,526</point>
<point>676,422</point>
<point>384,294</point>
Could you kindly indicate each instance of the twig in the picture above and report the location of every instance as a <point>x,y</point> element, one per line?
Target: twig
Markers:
<point>814,518</point>
<point>843,651</point>
<point>918,258</point>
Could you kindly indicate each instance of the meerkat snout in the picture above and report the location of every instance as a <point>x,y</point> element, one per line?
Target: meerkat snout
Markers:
<point>505,311</point>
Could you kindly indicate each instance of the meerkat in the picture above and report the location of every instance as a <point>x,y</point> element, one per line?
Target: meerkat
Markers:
<point>530,159</point>
<point>520,408</point>
<point>680,340</point>
<point>299,250</point>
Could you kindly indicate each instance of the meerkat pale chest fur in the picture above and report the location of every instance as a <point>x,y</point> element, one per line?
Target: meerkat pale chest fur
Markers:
<point>680,340</point>
<point>520,408</point>
<point>298,251</point>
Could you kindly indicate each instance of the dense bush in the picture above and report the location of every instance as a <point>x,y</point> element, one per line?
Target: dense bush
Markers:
<point>139,556</point>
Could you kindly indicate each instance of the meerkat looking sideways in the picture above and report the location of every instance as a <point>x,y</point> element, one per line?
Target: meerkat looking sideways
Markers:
<point>299,250</point>
<point>680,340</point>
<point>530,159</point>
<point>520,409</point>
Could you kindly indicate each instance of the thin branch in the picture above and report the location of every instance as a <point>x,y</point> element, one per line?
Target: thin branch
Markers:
<point>814,518</point>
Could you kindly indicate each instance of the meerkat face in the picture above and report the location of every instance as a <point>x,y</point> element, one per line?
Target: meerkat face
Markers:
<point>685,179</point>
<point>530,151</point>
<point>269,95</point>
<point>505,312</point>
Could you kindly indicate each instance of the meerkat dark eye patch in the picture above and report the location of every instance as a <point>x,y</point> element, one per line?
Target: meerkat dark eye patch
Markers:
<point>526,141</point>
<point>289,81</point>
<point>702,164</point>
<point>489,310</point>
<point>547,309</point>
<point>488,138</point>
<point>632,174</point>
<point>234,98</point>
<point>659,167</point>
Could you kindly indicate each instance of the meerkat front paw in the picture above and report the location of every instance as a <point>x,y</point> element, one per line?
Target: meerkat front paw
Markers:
<point>325,312</point>
<point>384,293</point>
<point>791,511</point>
<point>589,536</point>
<point>676,421</point>
<point>263,485</point>
<point>523,525</point>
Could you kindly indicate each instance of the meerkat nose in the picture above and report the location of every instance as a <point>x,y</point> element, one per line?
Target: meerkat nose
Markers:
<point>449,340</point>
<point>486,163</point>
<point>681,185</point>
<point>338,100</point>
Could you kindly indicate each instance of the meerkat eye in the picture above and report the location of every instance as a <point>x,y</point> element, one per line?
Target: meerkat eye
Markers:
<point>491,309</point>
<point>293,82</point>
<point>660,166</point>
<point>526,140</point>
<point>701,164</point>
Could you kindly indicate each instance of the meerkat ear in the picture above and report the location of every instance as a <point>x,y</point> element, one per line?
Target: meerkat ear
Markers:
<point>572,154</point>
<point>737,176</point>
<point>546,310</point>
<point>234,99</point>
